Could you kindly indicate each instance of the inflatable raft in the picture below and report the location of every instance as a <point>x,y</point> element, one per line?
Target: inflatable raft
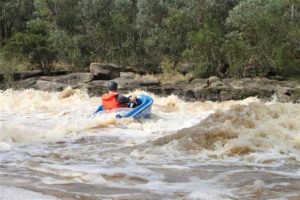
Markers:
<point>142,110</point>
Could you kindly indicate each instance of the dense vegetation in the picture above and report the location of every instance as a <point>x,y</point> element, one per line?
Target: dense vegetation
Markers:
<point>210,33</point>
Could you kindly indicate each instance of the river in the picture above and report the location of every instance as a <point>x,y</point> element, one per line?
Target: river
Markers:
<point>51,148</point>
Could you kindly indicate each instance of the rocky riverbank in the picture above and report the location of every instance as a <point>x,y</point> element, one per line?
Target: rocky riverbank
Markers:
<point>211,89</point>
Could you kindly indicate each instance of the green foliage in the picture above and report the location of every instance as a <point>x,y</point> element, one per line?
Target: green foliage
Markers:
<point>237,53</point>
<point>288,54</point>
<point>147,33</point>
<point>264,27</point>
<point>203,71</point>
<point>34,45</point>
<point>167,66</point>
<point>13,17</point>
<point>205,44</point>
<point>174,33</point>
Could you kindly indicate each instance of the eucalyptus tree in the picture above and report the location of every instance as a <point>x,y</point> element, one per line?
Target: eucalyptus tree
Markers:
<point>267,28</point>
<point>13,17</point>
<point>207,38</point>
<point>33,45</point>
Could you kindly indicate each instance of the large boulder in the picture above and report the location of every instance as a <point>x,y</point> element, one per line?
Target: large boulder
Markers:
<point>215,82</point>
<point>58,72</point>
<point>35,73</point>
<point>125,85</point>
<point>104,71</point>
<point>139,82</point>
<point>128,75</point>
<point>26,74</point>
<point>70,79</point>
<point>96,88</point>
<point>49,85</point>
<point>27,83</point>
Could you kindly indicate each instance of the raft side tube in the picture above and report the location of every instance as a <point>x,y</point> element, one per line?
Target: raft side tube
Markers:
<point>141,111</point>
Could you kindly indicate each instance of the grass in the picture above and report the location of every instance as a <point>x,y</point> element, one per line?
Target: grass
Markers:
<point>172,78</point>
<point>294,77</point>
<point>165,78</point>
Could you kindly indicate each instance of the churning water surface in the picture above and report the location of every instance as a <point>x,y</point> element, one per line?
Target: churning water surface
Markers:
<point>50,148</point>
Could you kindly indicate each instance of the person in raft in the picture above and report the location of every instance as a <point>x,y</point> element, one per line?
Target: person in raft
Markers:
<point>113,100</point>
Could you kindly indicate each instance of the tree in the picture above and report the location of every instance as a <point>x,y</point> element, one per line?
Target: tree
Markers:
<point>288,54</point>
<point>34,45</point>
<point>149,27</point>
<point>265,27</point>
<point>13,17</point>
<point>207,38</point>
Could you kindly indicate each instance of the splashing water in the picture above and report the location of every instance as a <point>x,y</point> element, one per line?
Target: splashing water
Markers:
<point>51,149</point>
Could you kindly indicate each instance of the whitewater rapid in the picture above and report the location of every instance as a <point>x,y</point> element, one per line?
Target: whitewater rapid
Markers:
<point>52,148</point>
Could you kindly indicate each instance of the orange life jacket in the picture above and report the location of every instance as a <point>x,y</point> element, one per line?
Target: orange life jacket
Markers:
<point>109,101</point>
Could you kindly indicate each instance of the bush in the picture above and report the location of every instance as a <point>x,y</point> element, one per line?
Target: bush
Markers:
<point>288,55</point>
<point>204,71</point>
<point>34,46</point>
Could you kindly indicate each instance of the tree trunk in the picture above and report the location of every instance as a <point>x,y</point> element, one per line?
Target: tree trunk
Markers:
<point>1,35</point>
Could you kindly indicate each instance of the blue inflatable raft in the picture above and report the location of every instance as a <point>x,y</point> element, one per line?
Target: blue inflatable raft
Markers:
<point>143,110</point>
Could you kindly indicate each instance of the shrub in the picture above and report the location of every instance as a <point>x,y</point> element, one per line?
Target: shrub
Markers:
<point>34,46</point>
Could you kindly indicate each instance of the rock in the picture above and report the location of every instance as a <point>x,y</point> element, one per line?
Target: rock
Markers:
<point>190,76</point>
<point>189,95</point>
<point>215,81</point>
<point>49,86</point>
<point>218,84</point>
<point>265,94</point>
<point>147,83</point>
<point>128,75</point>
<point>287,94</point>
<point>199,83</point>
<point>26,74</point>
<point>208,94</point>
<point>211,89</point>
<point>278,78</point>
<point>124,85</point>
<point>104,71</point>
<point>70,79</point>
<point>139,82</point>
<point>143,69</point>
<point>28,83</point>
<point>58,72</point>
<point>212,79</point>
<point>172,89</point>
<point>96,88</point>
<point>17,76</point>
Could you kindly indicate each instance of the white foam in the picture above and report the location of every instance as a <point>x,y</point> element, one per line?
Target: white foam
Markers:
<point>51,134</point>
<point>13,193</point>
<point>5,146</point>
